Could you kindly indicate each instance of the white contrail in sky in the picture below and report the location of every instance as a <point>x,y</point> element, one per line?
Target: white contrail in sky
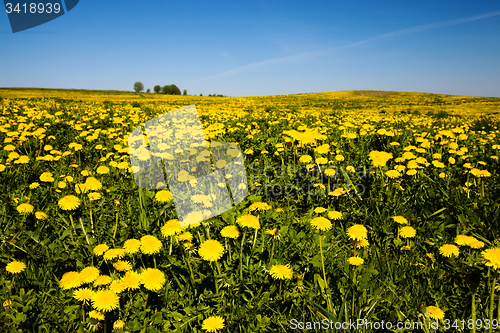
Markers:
<point>307,55</point>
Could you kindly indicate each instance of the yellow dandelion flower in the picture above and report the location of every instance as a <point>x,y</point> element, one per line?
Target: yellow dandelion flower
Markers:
<point>491,257</point>
<point>83,294</point>
<point>102,280</point>
<point>305,159</point>
<point>330,172</point>
<point>93,184</point>
<point>150,244</point>
<point>213,324</point>
<point>152,279</point>
<point>132,245</point>
<point>476,244</point>
<point>379,158</point>
<point>319,210</point>
<point>100,249</point>
<point>230,231</point>
<point>321,223</point>
<point>171,228</point>
<point>407,232</point>
<point>249,221</point>
<point>112,254</point>
<point>360,243</point>
<point>25,208</point>
<point>69,202</point>
<point>22,160</point>
<point>164,196</point>
<point>260,206</point>
<point>464,240</point>
<point>449,250</point>
<point>122,265</point>
<point>117,286</point>
<point>281,272</point>
<point>9,148</point>
<point>105,300</point>
<point>89,274</point>
<point>356,261</point>
<point>393,174</point>
<point>94,196</point>
<point>46,177</point>
<point>186,236</point>
<point>102,170</point>
<point>400,219</point>
<point>334,215</point>
<point>271,232</point>
<point>70,280</point>
<point>15,267</point>
<point>435,312</point>
<point>41,216</point>
<point>357,232</point>
<point>96,315</point>
<point>211,250</point>
<point>131,280</point>
<point>323,149</point>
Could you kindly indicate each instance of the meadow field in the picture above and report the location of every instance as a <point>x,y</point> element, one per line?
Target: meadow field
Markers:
<point>363,207</point>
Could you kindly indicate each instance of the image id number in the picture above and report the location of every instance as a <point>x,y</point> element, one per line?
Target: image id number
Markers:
<point>471,324</point>
<point>33,8</point>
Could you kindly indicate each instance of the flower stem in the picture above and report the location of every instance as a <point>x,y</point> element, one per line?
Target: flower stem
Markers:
<point>474,312</point>
<point>81,223</point>
<point>241,254</point>
<point>329,305</point>
<point>190,274</point>
<point>253,245</point>
<point>272,253</point>
<point>72,224</point>
<point>116,226</point>
<point>91,222</point>
<point>492,299</point>
<point>215,280</point>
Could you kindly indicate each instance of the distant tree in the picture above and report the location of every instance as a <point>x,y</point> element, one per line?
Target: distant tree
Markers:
<point>174,90</point>
<point>138,86</point>
<point>184,92</point>
<point>165,90</point>
<point>148,90</point>
<point>171,90</point>
<point>157,89</point>
<point>201,94</point>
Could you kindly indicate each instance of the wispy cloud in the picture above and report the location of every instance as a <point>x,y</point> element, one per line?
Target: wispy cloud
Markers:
<point>313,54</point>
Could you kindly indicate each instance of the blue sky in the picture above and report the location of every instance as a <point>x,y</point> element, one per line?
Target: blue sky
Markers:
<point>261,47</point>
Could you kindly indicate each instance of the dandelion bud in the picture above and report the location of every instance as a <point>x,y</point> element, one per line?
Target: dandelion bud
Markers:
<point>119,325</point>
<point>300,280</point>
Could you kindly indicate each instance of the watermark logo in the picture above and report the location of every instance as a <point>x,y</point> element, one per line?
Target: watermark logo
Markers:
<point>25,15</point>
<point>205,179</point>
